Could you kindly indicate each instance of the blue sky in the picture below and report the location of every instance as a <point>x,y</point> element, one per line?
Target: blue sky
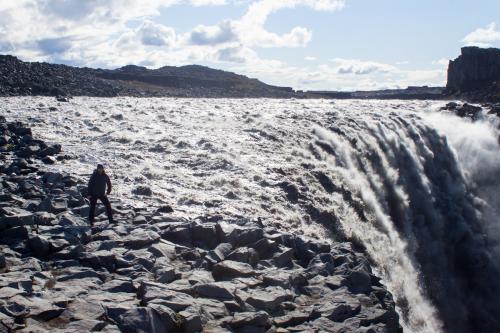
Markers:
<point>306,44</point>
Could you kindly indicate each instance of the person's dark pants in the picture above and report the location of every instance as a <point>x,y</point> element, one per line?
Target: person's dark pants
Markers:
<point>105,202</point>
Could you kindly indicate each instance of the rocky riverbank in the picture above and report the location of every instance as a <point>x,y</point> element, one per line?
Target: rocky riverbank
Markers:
<point>154,272</point>
<point>19,78</point>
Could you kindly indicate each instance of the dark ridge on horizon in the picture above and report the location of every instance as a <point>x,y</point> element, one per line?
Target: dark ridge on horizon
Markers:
<point>473,76</point>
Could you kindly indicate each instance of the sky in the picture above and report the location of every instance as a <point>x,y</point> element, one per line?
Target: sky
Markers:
<point>305,44</point>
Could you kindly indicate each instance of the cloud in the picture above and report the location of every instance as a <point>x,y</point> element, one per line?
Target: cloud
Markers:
<point>54,45</point>
<point>483,36</point>
<point>237,54</point>
<point>441,62</point>
<point>154,34</point>
<point>113,33</point>
<point>199,3</point>
<point>359,67</point>
<point>212,35</point>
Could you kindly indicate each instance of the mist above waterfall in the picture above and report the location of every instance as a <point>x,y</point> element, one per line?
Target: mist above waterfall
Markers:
<point>413,187</point>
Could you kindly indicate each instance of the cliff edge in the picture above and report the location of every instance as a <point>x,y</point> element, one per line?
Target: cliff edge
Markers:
<point>475,74</point>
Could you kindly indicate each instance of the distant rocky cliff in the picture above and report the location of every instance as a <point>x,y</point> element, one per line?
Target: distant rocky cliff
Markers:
<point>475,74</point>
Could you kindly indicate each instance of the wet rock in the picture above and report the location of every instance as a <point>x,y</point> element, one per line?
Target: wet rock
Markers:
<point>161,294</point>
<point>142,190</point>
<point>237,235</point>
<point>165,274</point>
<point>217,290</point>
<point>50,150</point>
<point>229,269</point>
<point>165,209</point>
<point>48,160</point>
<point>52,178</point>
<point>167,316</point>
<point>269,298</point>
<point>53,206</point>
<point>292,318</point>
<point>140,319</point>
<point>191,320</point>
<point>291,191</point>
<point>100,259</point>
<point>265,248</point>
<point>140,238</point>
<point>219,253</point>
<point>39,308</point>
<point>245,255</point>
<point>338,309</point>
<point>358,281</point>
<point>119,286</point>
<point>249,319</point>
<point>13,217</point>
<point>21,232</point>
<point>140,219</point>
<point>204,235</point>
<point>39,245</point>
<point>178,233</point>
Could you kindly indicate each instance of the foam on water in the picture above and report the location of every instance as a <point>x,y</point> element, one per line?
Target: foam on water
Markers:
<point>415,188</point>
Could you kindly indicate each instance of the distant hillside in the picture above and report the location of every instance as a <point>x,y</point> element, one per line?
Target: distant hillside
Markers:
<point>424,92</point>
<point>35,78</point>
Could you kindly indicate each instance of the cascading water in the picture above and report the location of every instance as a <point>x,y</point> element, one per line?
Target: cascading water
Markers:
<point>415,188</point>
<point>424,228</point>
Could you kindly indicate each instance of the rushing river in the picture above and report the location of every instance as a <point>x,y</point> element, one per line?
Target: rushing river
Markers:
<point>416,188</point>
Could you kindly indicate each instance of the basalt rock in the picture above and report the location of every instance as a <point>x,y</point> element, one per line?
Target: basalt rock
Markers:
<point>475,75</point>
<point>147,273</point>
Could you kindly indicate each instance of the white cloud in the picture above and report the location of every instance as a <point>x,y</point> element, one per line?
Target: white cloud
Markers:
<point>212,35</point>
<point>199,3</point>
<point>154,34</point>
<point>360,67</point>
<point>112,33</point>
<point>483,36</point>
<point>441,62</point>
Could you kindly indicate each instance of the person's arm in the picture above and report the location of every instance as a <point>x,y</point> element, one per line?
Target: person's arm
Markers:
<point>108,183</point>
<point>90,187</point>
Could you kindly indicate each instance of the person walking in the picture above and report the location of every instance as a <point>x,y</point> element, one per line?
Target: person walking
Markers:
<point>99,187</point>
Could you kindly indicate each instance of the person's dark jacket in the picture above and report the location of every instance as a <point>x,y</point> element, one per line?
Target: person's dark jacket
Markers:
<point>98,183</point>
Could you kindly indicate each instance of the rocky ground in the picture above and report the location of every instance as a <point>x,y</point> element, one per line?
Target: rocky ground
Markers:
<point>151,271</point>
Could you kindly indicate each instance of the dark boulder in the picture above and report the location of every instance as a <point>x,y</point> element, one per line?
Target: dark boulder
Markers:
<point>142,190</point>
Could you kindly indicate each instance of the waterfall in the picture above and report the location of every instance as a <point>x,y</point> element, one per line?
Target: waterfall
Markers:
<point>415,188</point>
<point>423,222</point>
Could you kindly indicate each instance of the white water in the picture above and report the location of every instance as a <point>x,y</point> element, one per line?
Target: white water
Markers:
<point>399,187</point>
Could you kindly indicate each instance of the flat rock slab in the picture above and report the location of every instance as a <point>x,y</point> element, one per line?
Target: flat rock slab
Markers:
<point>229,269</point>
<point>257,319</point>
<point>140,238</point>
<point>270,298</point>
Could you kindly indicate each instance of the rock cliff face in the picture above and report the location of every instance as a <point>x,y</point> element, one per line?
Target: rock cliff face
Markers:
<point>476,68</point>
